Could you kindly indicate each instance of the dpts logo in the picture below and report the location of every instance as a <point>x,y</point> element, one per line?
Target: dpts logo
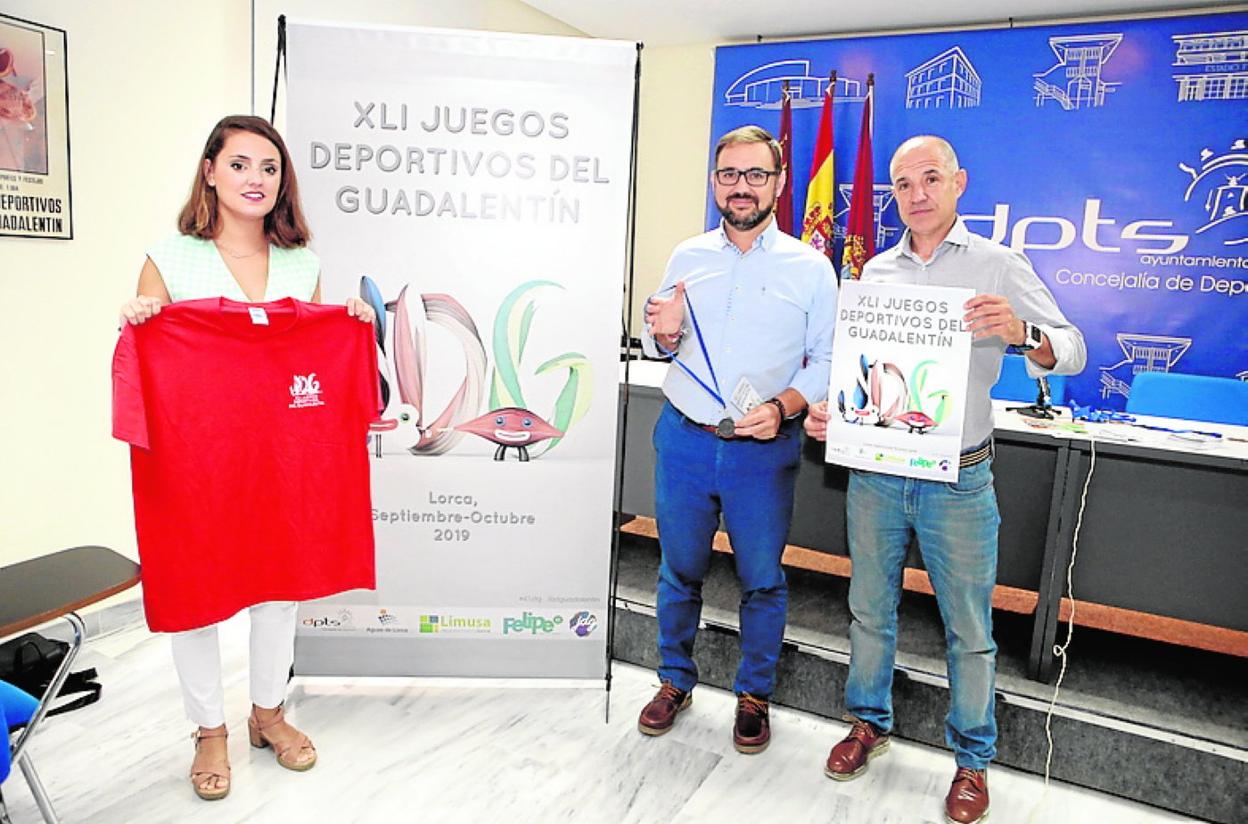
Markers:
<point>1098,233</point>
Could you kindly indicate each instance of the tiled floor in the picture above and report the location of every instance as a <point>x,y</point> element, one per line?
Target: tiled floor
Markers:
<point>514,753</point>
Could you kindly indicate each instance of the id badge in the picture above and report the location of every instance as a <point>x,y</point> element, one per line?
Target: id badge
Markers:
<point>744,397</point>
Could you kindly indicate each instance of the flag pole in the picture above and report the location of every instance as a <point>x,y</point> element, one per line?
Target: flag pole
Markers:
<point>871,96</point>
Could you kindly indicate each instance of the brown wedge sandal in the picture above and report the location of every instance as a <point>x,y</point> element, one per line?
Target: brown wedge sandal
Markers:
<point>298,756</point>
<point>210,778</point>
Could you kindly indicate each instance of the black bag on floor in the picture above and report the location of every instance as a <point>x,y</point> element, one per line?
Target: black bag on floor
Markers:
<point>29,662</point>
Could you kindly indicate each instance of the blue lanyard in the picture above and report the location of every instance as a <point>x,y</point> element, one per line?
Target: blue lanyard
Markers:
<point>1211,435</point>
<point>697,330</point>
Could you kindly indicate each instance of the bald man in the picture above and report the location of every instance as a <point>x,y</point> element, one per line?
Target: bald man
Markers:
<point>956,523</point>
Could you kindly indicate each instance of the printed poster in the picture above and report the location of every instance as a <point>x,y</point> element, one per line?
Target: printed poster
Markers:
<point>34,132</point>
<point>473,187</point>
<point>897,398</point>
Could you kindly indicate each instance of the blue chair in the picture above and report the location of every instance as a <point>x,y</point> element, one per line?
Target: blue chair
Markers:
<point>1016,385</point>
<point>17,707</point>
<point>1191,397</point>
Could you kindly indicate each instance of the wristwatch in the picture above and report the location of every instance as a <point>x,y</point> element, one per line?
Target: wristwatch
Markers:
<point>1033,337</point>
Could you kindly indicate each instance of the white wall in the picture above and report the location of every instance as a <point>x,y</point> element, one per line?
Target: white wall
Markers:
<point>147,80</point>
<point>674,133</point>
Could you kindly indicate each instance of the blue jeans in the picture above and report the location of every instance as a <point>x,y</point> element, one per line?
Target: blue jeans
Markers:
<point>698,476</point>
<point>956,525</point>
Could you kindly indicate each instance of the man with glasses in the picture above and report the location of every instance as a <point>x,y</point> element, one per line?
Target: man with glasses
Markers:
<point>955,523</point>
<point>746,313</point>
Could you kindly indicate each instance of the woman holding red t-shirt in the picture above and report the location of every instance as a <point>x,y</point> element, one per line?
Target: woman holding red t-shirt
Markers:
<point>241,235</point>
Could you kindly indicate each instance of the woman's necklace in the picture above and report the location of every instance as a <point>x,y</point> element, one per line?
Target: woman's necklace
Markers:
<point>239,255</point>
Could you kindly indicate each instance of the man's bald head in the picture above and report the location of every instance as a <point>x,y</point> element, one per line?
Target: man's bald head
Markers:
<point>949,158</point>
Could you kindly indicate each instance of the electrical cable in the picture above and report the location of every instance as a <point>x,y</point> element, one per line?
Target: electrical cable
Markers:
<point>1060,650</point>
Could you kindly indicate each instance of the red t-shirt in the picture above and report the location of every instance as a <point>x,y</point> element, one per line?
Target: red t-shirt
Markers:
<point>248,454</point>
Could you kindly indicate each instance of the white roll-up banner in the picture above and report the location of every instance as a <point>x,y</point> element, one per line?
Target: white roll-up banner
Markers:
<point>473,187</point>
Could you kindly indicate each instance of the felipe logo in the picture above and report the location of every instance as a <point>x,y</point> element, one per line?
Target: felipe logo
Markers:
<point>305,390</point>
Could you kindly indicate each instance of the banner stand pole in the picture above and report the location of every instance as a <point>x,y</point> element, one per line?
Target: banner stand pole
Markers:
<point>627,352</point>
<point>277,68</point>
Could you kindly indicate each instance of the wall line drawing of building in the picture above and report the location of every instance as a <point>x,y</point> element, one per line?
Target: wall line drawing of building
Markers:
<point>1144,353</point>
<point>763,87</point>
<point>882,195</point>
<point>1075,81</point>
<point>946,81</point>
<point>1212,66</point>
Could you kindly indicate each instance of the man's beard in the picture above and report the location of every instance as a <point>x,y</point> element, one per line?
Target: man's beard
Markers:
<point>749,221</point>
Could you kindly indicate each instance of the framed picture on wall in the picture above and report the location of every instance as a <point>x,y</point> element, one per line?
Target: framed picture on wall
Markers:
<point>34,132</point>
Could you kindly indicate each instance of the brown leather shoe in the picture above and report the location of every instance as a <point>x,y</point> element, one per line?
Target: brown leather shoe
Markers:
<point>851,755</point>
<point>658,716</point>
<point>967,801</point>
<point>752,731</point>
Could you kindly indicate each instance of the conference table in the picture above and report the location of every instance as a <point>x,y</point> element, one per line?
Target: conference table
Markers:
<point>1162,540</point>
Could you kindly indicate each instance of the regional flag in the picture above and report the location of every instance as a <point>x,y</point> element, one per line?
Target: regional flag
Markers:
<point>821,191</point>
<point>784,203</point>
<point>860,228</point>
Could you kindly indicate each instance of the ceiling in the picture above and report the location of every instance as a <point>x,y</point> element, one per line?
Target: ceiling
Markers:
<point>672,22</point>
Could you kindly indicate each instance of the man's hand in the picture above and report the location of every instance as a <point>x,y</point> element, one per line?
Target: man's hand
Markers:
<point>816,424</point>
<point>761,423</point>
<point>664,316</point>
<point>989,315</point>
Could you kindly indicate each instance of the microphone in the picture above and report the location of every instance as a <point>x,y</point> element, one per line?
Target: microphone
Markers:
<point>1044,397</point>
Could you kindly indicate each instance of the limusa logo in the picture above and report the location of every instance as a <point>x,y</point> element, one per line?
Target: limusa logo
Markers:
<point>305,390</point>
<point>453,623</point>
<point>583,623</point>
<point>531,624</point>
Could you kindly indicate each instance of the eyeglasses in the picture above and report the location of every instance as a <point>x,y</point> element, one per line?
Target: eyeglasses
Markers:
<point>755,177</point>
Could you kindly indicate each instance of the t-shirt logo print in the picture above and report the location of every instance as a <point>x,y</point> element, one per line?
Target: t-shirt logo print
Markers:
<point>305,390</point>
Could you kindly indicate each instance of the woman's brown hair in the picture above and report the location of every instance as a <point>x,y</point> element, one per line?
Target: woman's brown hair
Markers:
<point>284,225</point>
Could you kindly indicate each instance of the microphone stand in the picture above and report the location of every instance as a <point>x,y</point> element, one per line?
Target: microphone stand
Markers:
<point>1042,408</point>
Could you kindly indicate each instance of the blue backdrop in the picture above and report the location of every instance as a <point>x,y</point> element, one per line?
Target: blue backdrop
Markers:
<point>1114,154</point>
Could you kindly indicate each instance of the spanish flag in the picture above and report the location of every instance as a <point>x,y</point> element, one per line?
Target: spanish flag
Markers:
<point>860,228</point>
<point>821,191</point>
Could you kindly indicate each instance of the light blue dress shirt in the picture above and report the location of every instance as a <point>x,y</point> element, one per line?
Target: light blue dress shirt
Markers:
<point>766,315</point>
<point>965,259</point>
